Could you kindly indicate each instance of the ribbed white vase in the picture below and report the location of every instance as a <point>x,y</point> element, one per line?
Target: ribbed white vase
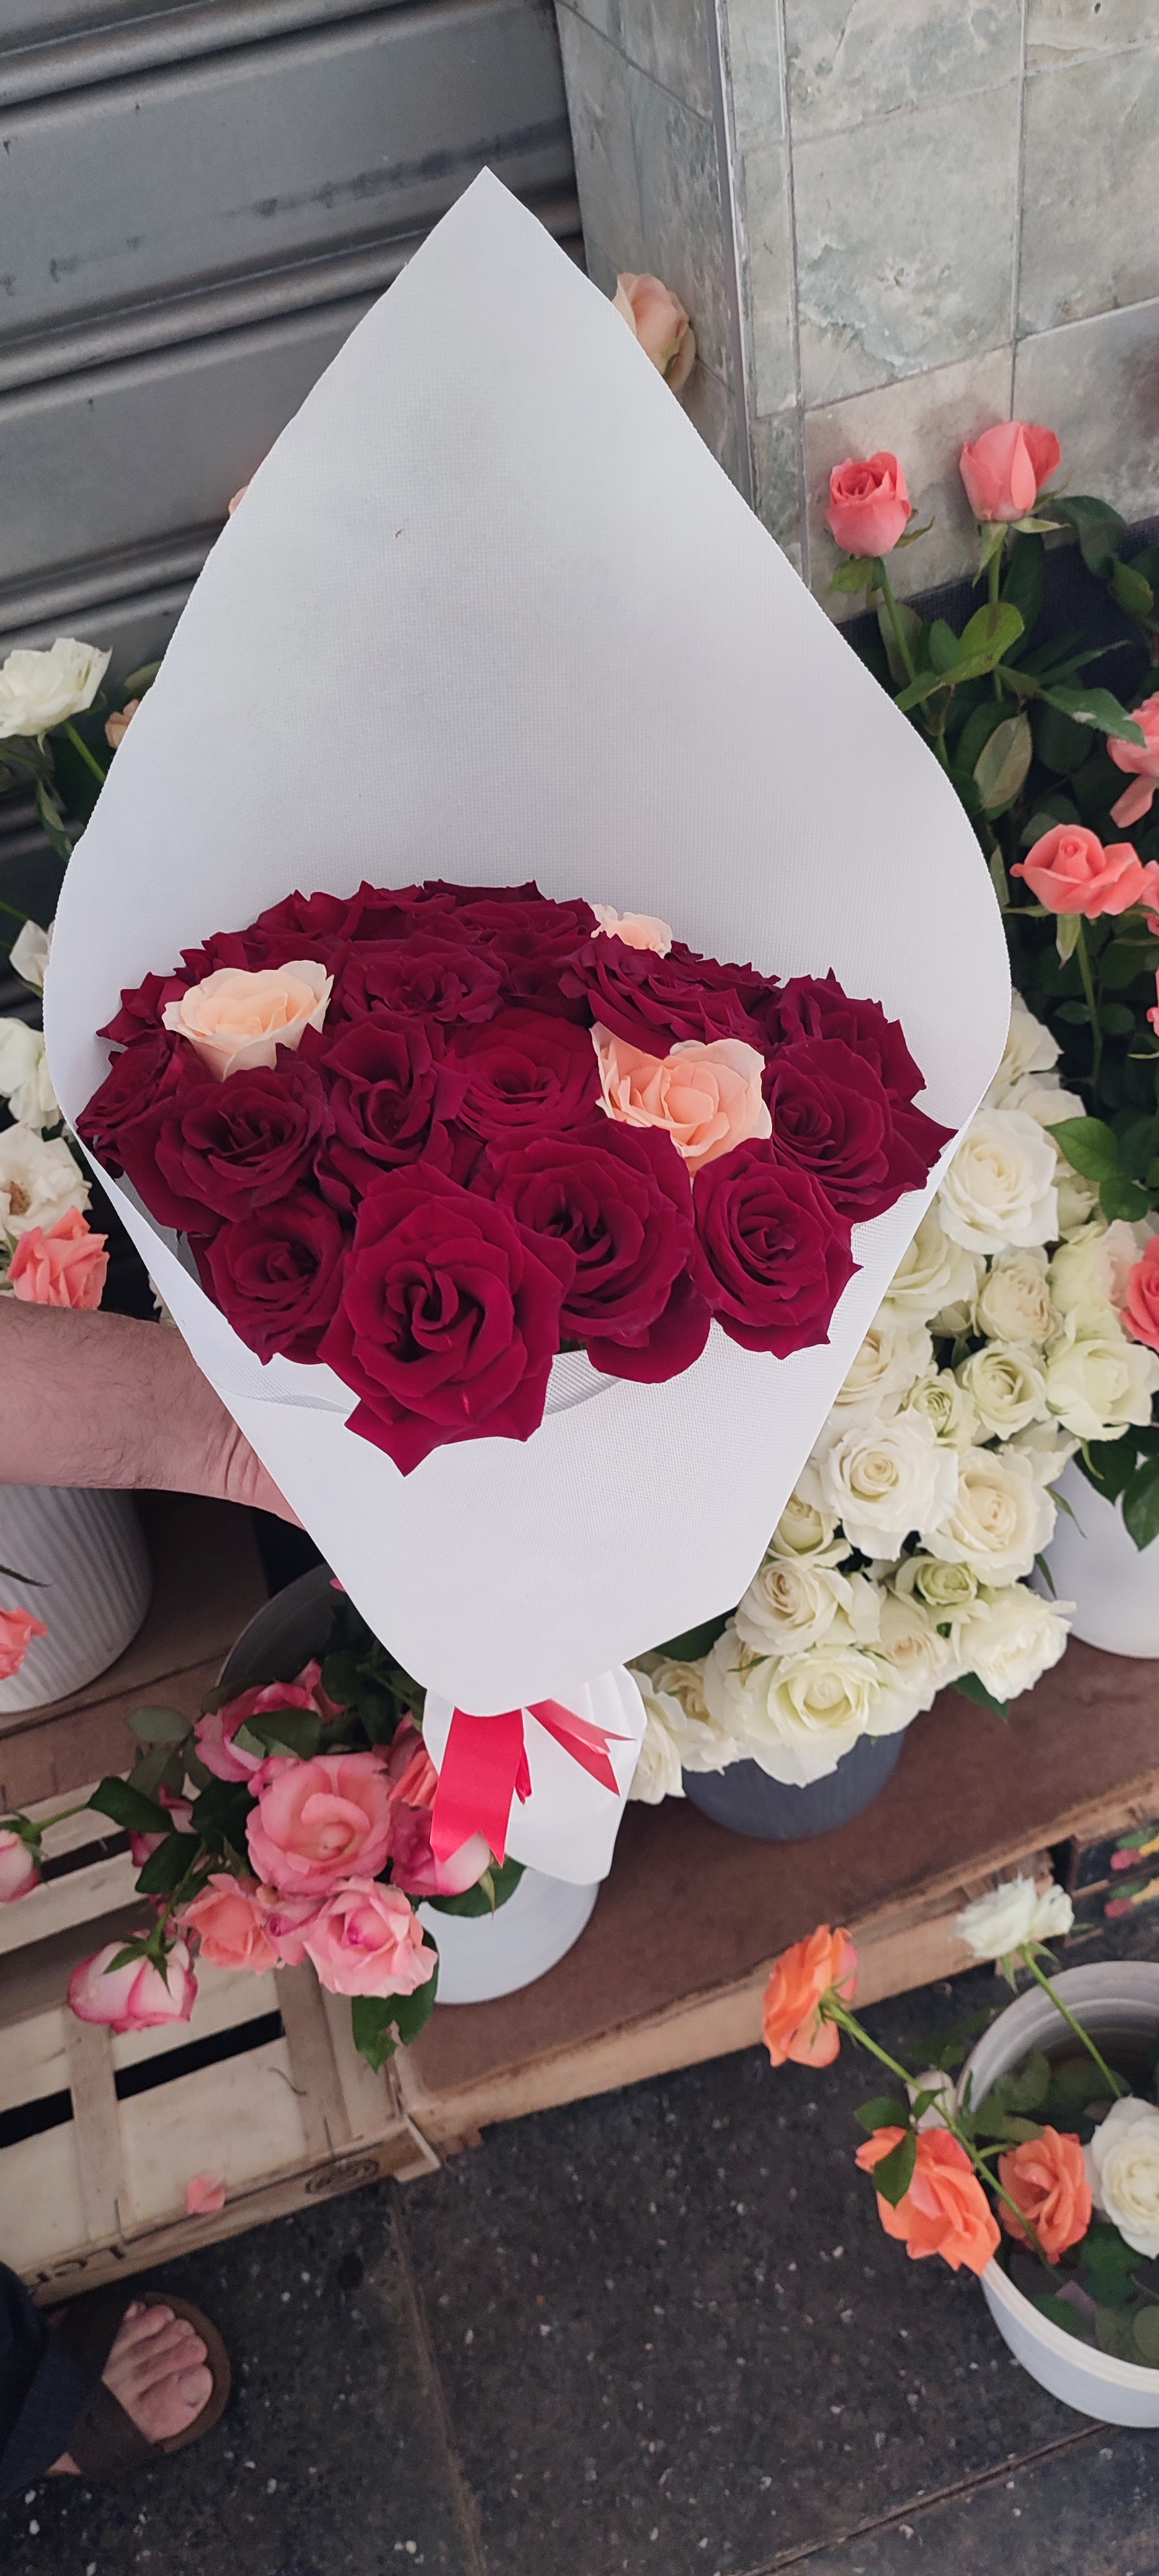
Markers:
<point>91,1579</point>
<point>1095,1563</point>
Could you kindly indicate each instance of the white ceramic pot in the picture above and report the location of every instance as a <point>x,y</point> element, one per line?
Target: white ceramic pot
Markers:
<point>482,1956</point>
<point>91,1583</point>
<point>1120,1998</point>
<point>1095,1563</point>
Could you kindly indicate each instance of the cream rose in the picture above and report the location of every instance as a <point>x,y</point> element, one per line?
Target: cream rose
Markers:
<point>1029,1049</point>
<point>688,1721</point>
<point>882,1480</point>
<point>947,1590</point>
<point>999,1189</point>
<point>1093,1269</point>
<point>999,1520</point>
<point>933,1273</point>
<point>947,1406</point>
<point>39,1181</point>
<point>707,1098</point>
<point>236,1020</point>
<point>920,1660</point>
<point>1096,1380</point>
<point>30,952</point>
<point>1006,1386</point>
<point>658,1763</point>
<point>1122,2162</point>
<point>1047,1103</point>
<point>1012,1638</point>
<point>659,322</point>
<point>1012,1916</point>
<point>636,929</point>
<point>25,1080</point>
<point>38,690</point>
<point>795,1715</point>
<point>788,1608</point>
<point>805,1535</point>
<point>1012,1303</point>
<point>892,1356</point>
<point>1046,1446</point>
<point>1078,1200</point>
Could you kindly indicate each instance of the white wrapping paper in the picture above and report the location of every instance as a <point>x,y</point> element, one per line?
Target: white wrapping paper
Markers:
<point>491,611</point>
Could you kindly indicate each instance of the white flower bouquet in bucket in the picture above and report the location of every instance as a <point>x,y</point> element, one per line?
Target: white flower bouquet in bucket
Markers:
<point>485,563</point>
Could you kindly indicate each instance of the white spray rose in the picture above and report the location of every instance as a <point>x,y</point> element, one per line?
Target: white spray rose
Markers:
<point>1096,1380</point>
<point>25,1081</point>
<point>1078,1200</point>
<point>790,1607</point>
<point>1029,1049</point>
<point>39,1181</point>
<point>1012,1915</point>
<point>999,1189</point>
<point>1046,1447</point>
<point>1013,1301</point>
<point>920,1659</point>
<point>891,1357</point>
<point>30,954</point>
<point>1012,1638</point>
<point>658,1763</point>
<point>689,1725</point>
<point>795,1715</point>
<point>1006,1386</point>
<point>946,1404</point>
<point>1122,2162</point>
<point>933,1273</point>
<point>882,1480</point>
<point>42,689</point>
<point>1047,1103</point>
<point>936,2081</point>
<point>999,1520</point>
<point>947,1590</point>
<point>804,1535</point>
<point>1093,1269</point>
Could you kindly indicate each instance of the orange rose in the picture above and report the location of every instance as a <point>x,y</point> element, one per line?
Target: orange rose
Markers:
<point>945,2211</point>
<point>65,1266</point>
<point>661,326</point>
<point>708,1097</point>
<point>802,1977</point>
<point>1047,2176</point>
<point>237,1019</point>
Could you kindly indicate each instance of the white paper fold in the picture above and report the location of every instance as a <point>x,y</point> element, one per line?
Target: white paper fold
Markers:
<point>491,611</point>
<point>568,1825</point>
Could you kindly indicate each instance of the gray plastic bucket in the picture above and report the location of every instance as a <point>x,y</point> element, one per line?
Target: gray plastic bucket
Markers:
<point>745,1800</point>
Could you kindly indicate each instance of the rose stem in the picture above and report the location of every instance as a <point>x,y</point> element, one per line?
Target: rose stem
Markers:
<point>846,2021</point>
<point>899,634</point>
<point>1083,955</point>
<point>86,755</point>
<point>1118,2088</point>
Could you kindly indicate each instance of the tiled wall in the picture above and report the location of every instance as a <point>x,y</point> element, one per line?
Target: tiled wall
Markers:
<point>894,222</point>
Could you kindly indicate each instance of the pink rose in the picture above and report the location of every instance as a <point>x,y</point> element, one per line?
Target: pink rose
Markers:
<point>231,1925</point>
<point>1141,762</point>
<point>117,725</point>
<point>18,1867</point>
<point>869,506</point>
<point>215,1733</point>
<point>661,325</point>
<point>1070,870</point>
<point>318,1821</point>
<point>413,1777</point>
<point>1004,470</point>
<point>707,1098</point>
<point>17,1630</point>
<point>67,1266</point>
<point>636,929</point>
<point>236,1020</point>
<point>137,1996</point>
<point>368,1941</point>
<point>287,1920</point>
<point>180,1813</point>
<point>414,1867</point>
<point>1140,1314</point>
<point>204,2196</point>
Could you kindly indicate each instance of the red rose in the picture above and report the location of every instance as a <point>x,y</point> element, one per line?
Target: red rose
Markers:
<point>621,1202</point>
<point>655,1001</point>
<point>277,1275</point>
<point>833,1118</point>
<point>527,1075</point>
<point>816,1007</point>
<point>141,1008</point>
<point>238,1145</point>
<point>776,1254</point>
<point>449,1318</point>
<point>388,1088</point>
<point>158,1077</point>
<point>531,943</point>
<point>432,975</point>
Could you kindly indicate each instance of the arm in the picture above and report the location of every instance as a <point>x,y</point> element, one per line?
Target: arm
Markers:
<point>92,1399</point>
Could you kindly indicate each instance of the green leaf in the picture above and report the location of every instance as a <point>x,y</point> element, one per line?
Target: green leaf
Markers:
<point>127,1808</point>
<point>1061,744</point>
<point>491,1891</point>
<point>695,1642</point>
<point>925,686</point>
<point>219,1814</point>
<point>51,819</point>
<point>138,681</point>
<point>854,576</point>
<point>1097,708</point>
<point>1116,1019</point>
<point>1023,585</point>
<point>286,1730</point>
<point>1027,2088</point>
<point>159,1725</point>
<point>972,1688</point>
<point>1053,808</point>
<point>1104,2248</point>
<point>913,630</point>
<point>1089,1145</point>
<point>1067,932</point>
<point>1123,962</point>
<point>885,2112</point>
<point>981,722</point>
<point>1001,767</point>
<point>168,1865</point>
<point>1132,592</point>
<point>1145,2328</point>
<point>1121,1197</point>
<point>1099,529</point>
<point>989,634</point>
<point>893,2176</point>
<point>1061,2313</point>
<point>944,647</point>
<point>1113,2333</point>
<point>1107,1465</point>
<point>382,2023</point>
<point>1141,1504</point>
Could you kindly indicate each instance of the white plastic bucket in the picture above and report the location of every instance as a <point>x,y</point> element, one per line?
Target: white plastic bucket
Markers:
<point>482,1956</point>
<point>91,1583</point>
<point>1095,1563</point>
<point>1119,1997</point>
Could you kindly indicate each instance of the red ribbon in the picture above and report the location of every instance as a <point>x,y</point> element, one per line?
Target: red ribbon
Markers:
<point>485,1768</point>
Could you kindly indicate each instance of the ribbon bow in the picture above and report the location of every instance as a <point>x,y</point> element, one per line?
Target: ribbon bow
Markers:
<point>485,1768</point>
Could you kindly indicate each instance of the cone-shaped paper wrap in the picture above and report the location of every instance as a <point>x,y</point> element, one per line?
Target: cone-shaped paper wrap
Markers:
<point>490,611</point>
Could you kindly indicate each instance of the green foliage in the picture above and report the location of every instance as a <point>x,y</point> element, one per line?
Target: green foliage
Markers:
<point>382,2023</point>
<point>887,2111</point>
<point>1061,2313</point>
<point>893,2176</point>
<point>1001,766</point>
<point>165,1868</point>
<point>159,1726</point>
<point>219,1815</point>
<point>127,1807</point>
<point>1141,1503</point>
<point>971,1688</point>
<point>490,1892</point>
<point>1099,530</point>
<point>282,1730</point>
<point>688,1648</point>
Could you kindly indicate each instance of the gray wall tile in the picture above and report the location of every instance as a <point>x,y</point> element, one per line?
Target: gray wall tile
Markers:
<point>1097,384</point>
<point>753,39</point>
<point>1090,239</point>
<point>668,39</point>
<point>764,200</point>
<point>923,422</point>
<point>1057,30</point>
<point>680,205</point>
<point>777,477</point>
<point>905,243</point>
<point>849,60</point>
<point>599,104</point>
<point>711,409</point>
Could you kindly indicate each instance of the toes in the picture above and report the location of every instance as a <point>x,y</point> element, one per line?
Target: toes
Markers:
<point>139,2324</point>
<point>194,2388</point>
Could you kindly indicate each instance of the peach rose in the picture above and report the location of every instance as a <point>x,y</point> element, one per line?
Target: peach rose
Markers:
<point>825,1964</point>
<point>65,1265</point>
<point>369,1941</point>
<point>17,1630</point>
<point>709,1098</point>
<point>230,1924</point>
<point>636,929</point>
<point>137,1996</point>
<point>1070,870</point>
<point>1004,470</point>
<point>1047,2176</point>
<point>1141,762</point>
<point>18,1867</point>
<point>869,506</point>
<point>117,725</point>
<point>204,2196</point>
<point>661,325</point>
<point>237,1020</point>
<point>287,1921</point>
<point>318,1821</point>
<point>1140,1315</point>
<point>414,1867</point>
<point>215,1732</point>
<point>945,2211</point>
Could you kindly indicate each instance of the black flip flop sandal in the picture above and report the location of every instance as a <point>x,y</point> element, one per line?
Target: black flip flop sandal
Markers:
<point>104,2441</point>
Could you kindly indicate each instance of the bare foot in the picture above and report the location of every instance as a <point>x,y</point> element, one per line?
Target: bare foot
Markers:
<point>156,2370</point>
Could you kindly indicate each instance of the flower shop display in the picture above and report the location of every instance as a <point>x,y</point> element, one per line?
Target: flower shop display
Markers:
<point>512,564</point>
<point>1038,2168</point>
